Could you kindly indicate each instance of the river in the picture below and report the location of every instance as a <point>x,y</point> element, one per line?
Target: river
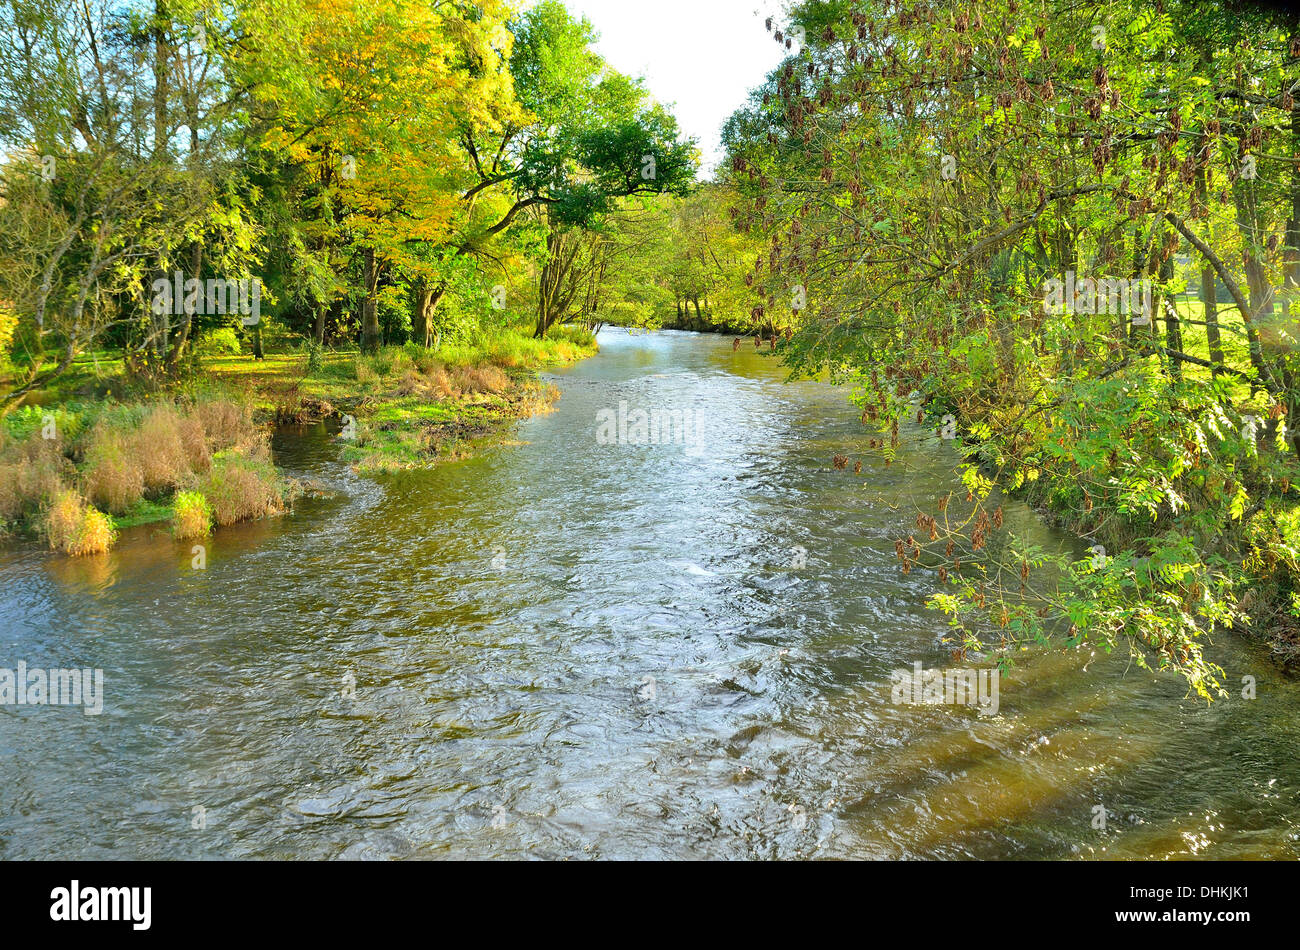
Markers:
<point>564,648</point>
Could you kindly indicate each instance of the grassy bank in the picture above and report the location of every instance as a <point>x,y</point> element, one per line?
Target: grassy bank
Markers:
<point>408,406</point>
<point>104,452</point>
<point>77,473</point>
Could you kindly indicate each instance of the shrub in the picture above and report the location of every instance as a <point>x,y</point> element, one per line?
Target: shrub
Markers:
<point>315,353</point>
<point>77,528</point>
<point>8,324</point>
<point>223,341</point>
<point>192,515</point>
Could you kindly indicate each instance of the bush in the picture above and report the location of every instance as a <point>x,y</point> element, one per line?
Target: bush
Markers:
<point>223,341</point>
<point>192,515</point>
<point>77,528</point>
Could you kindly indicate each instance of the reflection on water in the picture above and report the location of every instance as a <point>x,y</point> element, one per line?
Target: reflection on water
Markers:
<point>566,648</point>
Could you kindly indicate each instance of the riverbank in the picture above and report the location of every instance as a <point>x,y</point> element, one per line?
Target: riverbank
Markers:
<point>408,406</point>
<point>107,453</point>
<point>79,472</point>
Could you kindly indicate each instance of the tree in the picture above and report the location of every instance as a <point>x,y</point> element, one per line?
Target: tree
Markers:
<point>922,176</point>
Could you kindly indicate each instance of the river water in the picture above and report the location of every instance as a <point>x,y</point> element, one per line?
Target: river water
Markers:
<point>564,648</point>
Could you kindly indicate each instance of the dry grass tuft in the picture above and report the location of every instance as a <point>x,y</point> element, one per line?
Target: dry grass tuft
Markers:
<point>195,443</point>
<point>443,385</point>
<point>31,476</point>
<point>241,488</point>
<point>482,379</point>
<point>160,450</point>
<point>77,528</point>
<point>114,476</point>
<point>224,422</point>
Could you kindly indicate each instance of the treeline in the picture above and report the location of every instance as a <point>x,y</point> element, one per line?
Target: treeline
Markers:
<point>1069,235</point>
<point>384,171</point>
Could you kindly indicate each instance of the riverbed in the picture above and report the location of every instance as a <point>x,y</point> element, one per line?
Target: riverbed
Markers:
<point>579,646</point>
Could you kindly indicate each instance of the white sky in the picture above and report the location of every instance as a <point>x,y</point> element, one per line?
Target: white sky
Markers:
<point>701,57</point>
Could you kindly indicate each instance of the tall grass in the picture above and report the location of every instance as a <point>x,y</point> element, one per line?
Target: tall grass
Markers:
<point>242,488</point>
<point>61,470</point>
<point>77,528</point>
<point>191,515</point>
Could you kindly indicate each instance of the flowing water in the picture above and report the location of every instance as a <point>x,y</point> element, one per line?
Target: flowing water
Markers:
<point>567,648</point>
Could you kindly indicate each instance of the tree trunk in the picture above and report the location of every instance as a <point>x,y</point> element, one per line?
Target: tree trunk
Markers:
<point>1143,267</point>
<point>187,317</point>
<point>1209,289</point>
<point>1260,293</point>
<point>559,280</point>
<point>370,305</point>
<point>161,86</point>
<point>1173,325</point>
<point>428,296</point>
<point>161,329</point>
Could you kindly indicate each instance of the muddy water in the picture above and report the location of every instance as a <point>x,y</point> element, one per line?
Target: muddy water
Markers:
<point>567,648</point>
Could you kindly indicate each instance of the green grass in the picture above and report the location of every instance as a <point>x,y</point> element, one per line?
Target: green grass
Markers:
<point>413,406</point>
<point>398,429</point>
<point>144,512</point>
